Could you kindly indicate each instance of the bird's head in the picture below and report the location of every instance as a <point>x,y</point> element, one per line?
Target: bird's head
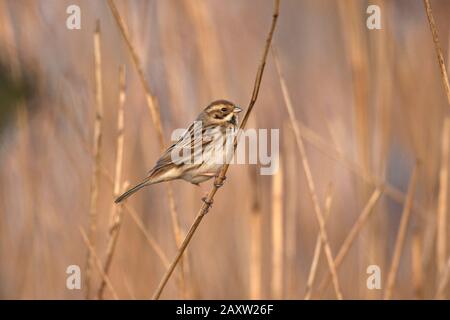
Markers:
<point>222,111</point>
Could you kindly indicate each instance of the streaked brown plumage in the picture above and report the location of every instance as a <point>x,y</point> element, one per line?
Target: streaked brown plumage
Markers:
<point>208,147</point>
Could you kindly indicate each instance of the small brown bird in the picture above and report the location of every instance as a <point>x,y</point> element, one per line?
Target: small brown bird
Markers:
<point>201,151</point>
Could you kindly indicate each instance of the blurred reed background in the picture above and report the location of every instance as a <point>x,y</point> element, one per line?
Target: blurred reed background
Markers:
<point>368,105</point>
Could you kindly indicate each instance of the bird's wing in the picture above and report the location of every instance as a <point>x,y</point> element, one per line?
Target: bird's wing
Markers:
<point>195,138</point>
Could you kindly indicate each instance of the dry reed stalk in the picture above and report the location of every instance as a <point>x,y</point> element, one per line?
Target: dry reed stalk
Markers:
<point>155,113</point>
<point>438,49</point>
<point>218,182</point>
<point>209,50</point>
<point>417,269</point>
<point>382,131</point>
<point>318,249</point>
<point>120,144</point>
<point>97,146</point>
<point>137,220</point>
<point>443,280</point>
<point>116,211</point>
<point>356,46</point>
<point>331,128</point>
<point>150,98</point>
<point>98,264</point>
<point>111,246</point>
<point>348,241</point>
<point>448,50</point>
<point>147,235</point>
<point>277,234</point>
<point>333,153</point>
<point>357,50</point>
<point>441,220</point>
<point>441,243</point>
<point>428,247</point>
<point>309,179</point>
<point>291,195</point>
<point>255,255</point>
<point>255,239</point>
<point>401,236</point>
<point>384,58</point>
<point>176,70</point>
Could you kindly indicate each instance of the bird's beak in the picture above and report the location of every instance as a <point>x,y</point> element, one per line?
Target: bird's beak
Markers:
<point>237,109</point>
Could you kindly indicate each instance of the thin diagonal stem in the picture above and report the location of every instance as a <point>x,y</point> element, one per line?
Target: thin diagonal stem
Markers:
<point>442,205</point>
<point>97,154</point>
<point>438,49</point>
<point>98,264</point>
<point>441,215</point>
<point>317,250</point>
<point>353,233</point>
<point>138,221</point>
<point>443,280</point>
<point>330,151</point>
<point>310,181</point>
<point>401,236</point>
<point>155,113</point>
<point>116,212</point>
<point>221,178</point>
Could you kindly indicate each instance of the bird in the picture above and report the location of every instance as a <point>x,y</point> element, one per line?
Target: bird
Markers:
<point>200,153</point>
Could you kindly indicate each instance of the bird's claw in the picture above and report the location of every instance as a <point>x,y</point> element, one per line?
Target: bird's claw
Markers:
<point>219,184</point>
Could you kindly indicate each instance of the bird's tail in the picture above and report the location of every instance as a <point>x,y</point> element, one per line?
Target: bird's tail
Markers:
<point>132,190</point>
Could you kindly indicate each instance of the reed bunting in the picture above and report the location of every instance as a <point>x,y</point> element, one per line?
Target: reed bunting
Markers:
<point>201,151</point>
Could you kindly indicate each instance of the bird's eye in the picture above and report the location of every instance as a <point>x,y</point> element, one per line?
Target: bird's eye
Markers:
<point>223,109</point>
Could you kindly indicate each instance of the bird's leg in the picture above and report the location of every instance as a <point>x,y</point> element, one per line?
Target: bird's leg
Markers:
<point>214,175</point>
<point>208,174</point>
<point>218,184</point>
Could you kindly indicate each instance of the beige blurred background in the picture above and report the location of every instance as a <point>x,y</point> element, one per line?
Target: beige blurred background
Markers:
<point>373,102</point>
